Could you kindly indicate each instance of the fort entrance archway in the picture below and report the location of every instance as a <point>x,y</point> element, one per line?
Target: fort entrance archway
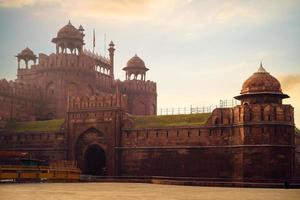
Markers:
<point>94,161</point>
<point>90,151</point>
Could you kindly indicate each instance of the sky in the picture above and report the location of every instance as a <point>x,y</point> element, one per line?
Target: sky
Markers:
<point>197,51</point>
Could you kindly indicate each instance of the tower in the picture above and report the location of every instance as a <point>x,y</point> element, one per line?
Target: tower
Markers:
<point>136,67</point>
<point>69,38</point>
<point>26,55</point>
<point>111,51</point>
<point>266,128</point>
<point>142,96</point>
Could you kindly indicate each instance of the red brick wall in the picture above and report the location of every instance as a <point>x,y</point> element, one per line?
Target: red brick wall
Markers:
<point>251,142</point>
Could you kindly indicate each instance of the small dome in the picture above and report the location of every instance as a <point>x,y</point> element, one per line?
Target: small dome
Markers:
<point>80,28</point>
<point>111,44</point>
<point>261,82</point>
<point>69,31</point>
<point>135,63</point>
<point>26,52</point>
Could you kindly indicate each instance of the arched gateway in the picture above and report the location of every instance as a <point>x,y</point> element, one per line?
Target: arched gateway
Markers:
<point>94,161</point>
<point>91,152</point>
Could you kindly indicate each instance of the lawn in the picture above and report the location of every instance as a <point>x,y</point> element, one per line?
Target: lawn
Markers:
<point>170,120</point>
<point>36,126</point>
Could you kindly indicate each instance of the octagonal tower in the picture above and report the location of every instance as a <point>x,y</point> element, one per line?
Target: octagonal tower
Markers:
<point>142,96</point>
<point>266,129</point>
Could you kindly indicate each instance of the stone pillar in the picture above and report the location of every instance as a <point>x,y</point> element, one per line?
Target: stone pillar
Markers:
<point>18,63</point>
<point>26,63</point>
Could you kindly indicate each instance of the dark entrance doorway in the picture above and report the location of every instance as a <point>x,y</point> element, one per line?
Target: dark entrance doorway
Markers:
<point>94,161</point>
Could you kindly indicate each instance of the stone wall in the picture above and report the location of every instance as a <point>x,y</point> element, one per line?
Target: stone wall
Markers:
<point>142,96</point>
<point>181,152</point>
<point>19,101</point>
<point>41,145</point>
<point>249,142</point>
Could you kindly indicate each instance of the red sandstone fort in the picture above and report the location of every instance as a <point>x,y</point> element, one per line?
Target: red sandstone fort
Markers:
<point>103,123</point>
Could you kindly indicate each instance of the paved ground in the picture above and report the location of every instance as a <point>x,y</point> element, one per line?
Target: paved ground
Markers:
<point>136,191</point>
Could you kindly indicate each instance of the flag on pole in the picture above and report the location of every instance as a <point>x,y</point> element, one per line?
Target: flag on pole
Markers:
<point>94,44</point>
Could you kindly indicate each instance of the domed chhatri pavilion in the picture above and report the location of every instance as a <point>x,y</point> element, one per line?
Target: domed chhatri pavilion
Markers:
<point>109,127</point>
<point>261,87</point>
<point>135,66</point>
<point>69,37</point>
<point>26,55</point>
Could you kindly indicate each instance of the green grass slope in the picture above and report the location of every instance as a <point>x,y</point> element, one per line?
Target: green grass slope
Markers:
<point>170,120</point>
<point>36,126</point>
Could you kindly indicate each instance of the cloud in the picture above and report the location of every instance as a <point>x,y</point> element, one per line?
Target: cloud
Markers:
<point>290,81</point>
<point>21,3</point>
<point>171,13</point>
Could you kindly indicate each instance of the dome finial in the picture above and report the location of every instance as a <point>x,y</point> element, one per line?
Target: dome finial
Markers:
<point>261,69</point>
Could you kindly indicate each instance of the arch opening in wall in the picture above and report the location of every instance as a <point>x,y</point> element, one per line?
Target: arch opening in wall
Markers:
<point>94,161</point>
<point>72,90</point>
<point>50,90</point>
<point>91,143</point>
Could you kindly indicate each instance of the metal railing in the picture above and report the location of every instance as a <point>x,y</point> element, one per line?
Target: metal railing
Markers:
<point>198,109</point>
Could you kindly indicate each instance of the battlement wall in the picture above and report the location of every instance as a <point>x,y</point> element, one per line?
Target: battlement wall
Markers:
<point>270,124</point>
<point>138,86</point>
<point>229,145</point>
<point>180,136</point>
<point>81,62</point>
<point>20,90</point>
<point>19,101</point>
<point>97,101</point>
<point>255,113</point>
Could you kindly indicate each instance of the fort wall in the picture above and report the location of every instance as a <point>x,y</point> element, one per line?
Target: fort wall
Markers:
<point>19,101</point>
<point>53,144</point>
<point>229,145</point>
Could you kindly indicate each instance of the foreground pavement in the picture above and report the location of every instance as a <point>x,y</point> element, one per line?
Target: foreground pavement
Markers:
<point>135,191</point>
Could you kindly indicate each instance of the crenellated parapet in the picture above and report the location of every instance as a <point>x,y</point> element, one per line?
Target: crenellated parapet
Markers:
<point>97,102</point>
<point>253,114</point>
<point>20,101</point>
<point>138,86</point>
<point>20,90</point>
<point>87,61</point>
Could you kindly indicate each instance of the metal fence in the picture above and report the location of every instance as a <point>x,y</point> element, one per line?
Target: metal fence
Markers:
<point>198,109</point>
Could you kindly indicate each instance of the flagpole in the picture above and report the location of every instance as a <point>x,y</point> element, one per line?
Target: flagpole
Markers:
<point>94,40</point>
<point>104,49</point>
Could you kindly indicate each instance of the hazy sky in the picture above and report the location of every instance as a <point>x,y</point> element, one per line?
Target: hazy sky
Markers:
<point>198,51</point>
